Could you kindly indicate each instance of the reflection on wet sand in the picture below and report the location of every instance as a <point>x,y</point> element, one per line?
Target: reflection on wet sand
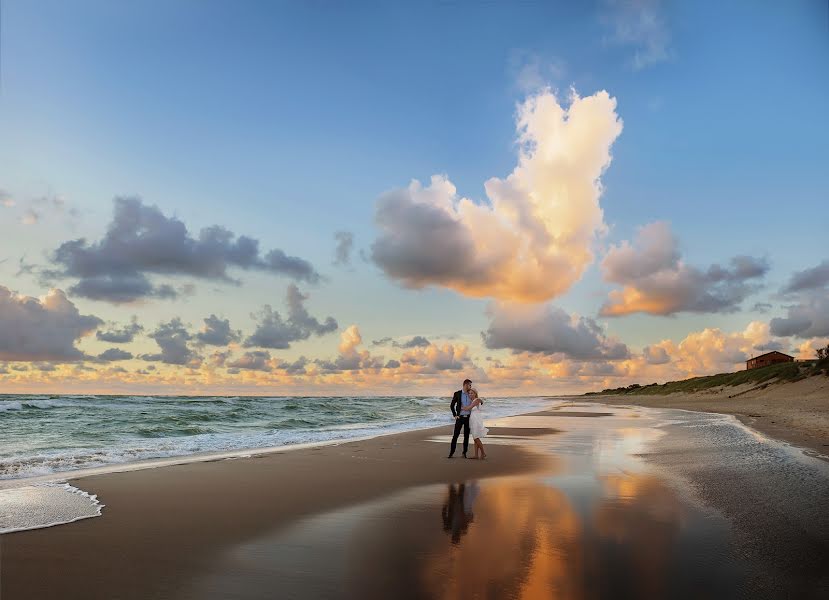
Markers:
<point>597,526</point>
<point>457,510</point>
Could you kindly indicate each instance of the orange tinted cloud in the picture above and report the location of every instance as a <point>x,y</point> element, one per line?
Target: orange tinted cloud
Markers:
<point>533,240</point>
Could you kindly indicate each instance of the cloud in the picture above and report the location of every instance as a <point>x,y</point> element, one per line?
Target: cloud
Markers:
<point>658,282</point>
<point>533,239</point>
<point>172,339</point>
<point>345,245</point>
<point>709,351</point>
<point>433,358</point>
<point>113,354</point>
<point>217,332</point>
<point>639,24</point>
<point>656,355</point>
<point>808,318</point>
<point>531,73</point>
<point>296,367</point>
<point>350,357</point>
<point>46,329</point>
<point>6,199</point>
<point>547,329</point>
<point>30,217</point>
<point>254,360</point>
<point>274,332</point>
<point>809,279</point>
<point>807,315</point>
<point>121,336</point>
<point>762,307</point>
<point>141,241</point>
<point>415,342</point>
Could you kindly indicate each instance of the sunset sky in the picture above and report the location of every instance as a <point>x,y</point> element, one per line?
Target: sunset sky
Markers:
<point>381,198</point>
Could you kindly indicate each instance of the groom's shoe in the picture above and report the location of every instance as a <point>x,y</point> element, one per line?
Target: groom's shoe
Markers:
<point>450,456</point>
<point>464,455</point>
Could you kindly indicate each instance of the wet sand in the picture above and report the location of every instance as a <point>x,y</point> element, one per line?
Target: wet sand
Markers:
<point>630,503</point>
<point>795,412</point>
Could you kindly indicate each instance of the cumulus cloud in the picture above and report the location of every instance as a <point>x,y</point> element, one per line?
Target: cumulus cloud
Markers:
<point>711,351</point>
<point>45,329</point>
<point>641,25</point>
<point>656,355</point>
<point>433,358</point>
<point>272,331</point>
<point>658,282</point>
<point>254,360</point>
<point>120,336</point>
<point>345,245</point>
<point>808,318</point>
<point>350,357</point>
<point>533,239</point>
<point>172,339</point>
<point>113,354</point>
<point>547,329</point>
<point>217,332</point>
<point>141,241</point>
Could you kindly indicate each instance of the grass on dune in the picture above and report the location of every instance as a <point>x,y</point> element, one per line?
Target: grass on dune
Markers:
<point>783,372</point>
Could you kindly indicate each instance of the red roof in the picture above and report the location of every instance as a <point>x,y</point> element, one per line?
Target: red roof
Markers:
<point>772,352</point>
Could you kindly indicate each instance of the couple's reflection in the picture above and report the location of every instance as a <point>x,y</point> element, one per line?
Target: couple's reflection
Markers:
<point>457,509</point>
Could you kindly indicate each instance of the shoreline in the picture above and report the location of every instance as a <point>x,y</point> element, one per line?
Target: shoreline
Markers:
<point>796,413</point>
<point>242,452</point>
<point>165,530</point>
<point>226,502</point>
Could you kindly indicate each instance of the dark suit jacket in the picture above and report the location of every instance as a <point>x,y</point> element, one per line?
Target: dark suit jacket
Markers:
<point>455,405</point>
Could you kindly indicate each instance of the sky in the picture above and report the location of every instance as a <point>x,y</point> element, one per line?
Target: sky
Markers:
<point>386,198</point>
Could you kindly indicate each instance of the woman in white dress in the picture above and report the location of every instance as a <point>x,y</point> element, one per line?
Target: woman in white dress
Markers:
<point>476,422</point>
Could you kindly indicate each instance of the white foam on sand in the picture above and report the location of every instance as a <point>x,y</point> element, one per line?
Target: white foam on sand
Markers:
<point>45,505</point>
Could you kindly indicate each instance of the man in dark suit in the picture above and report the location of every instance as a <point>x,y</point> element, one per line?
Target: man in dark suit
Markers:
<point>459,401</point>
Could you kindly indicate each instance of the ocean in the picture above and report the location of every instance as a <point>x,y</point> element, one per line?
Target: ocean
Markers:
<point>47,434</point>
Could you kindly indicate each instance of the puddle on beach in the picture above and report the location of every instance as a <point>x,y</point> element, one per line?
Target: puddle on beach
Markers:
<point>598,523</point>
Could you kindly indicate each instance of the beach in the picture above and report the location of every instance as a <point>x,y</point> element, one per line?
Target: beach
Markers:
<point>797,412</point>
<point>575,501</point>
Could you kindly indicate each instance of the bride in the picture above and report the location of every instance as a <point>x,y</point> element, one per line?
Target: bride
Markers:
<point>476,422</point>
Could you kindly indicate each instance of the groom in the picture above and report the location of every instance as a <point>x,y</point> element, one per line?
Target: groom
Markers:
<point>460,410</point>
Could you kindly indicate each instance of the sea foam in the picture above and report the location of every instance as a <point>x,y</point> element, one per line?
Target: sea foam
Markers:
<point>45,505</point>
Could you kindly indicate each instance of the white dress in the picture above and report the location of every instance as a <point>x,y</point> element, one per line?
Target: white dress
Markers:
<point>476,423</point>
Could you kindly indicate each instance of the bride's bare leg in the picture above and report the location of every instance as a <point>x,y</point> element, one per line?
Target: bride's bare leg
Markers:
<point>481,444</point>
<point>476,448</point>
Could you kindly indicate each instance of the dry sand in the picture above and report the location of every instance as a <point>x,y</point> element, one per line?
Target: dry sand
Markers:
<point>797,412</point>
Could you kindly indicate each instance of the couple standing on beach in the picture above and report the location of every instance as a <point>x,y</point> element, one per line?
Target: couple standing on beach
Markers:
<point>466,408</point>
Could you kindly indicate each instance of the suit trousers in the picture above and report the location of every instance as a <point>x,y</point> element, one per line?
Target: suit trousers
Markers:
<point>460,422</point>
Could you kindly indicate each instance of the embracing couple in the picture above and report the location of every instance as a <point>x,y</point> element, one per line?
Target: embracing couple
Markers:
<point>466,408</point>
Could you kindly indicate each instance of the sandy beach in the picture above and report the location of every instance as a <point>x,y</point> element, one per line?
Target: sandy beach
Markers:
<point>796,412</point>
<point>578,501</point>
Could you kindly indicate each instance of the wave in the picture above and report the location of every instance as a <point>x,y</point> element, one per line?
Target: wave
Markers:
<point>101,431</point>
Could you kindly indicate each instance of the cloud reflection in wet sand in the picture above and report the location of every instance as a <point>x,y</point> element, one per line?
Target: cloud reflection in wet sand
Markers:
<point>592,528</point>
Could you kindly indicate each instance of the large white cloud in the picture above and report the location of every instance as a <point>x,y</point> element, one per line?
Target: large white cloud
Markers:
<point>533,239</point>
<point>46,329</point>
<point>655,280</point>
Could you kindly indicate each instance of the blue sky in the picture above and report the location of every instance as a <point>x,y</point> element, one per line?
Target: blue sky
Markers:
<point>286,121</point>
